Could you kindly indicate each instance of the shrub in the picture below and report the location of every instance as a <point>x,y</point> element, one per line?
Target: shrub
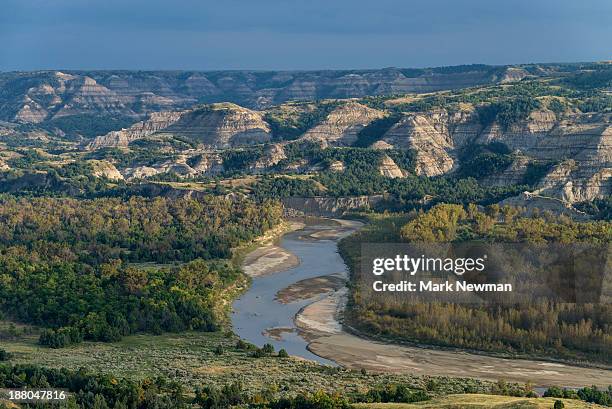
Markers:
<point>596,395</point>
<point>268,349</point>
<point>507,112</point>
<point>535,172</point>
<point>553,392</point>
<point>242,345</point>
<point>61,337</point>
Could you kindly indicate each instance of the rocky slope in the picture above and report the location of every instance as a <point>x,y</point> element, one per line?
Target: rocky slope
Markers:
<point>221,126</point>
<point>228,125</point>
<point>580,145</point>
<point>428,136</point>
<point>328,206</point>
<point>389,168</point>
<point>341,126</point>
<point>155,123</point>
<point>105,169</point>
<point>40,96</point>
<point>188,163</point>
<point>563,152</point>
<point>50,95</point>
<point>272,155</point>
<point>577,147</point>
<point>209,163</point>
<point>214,126</point>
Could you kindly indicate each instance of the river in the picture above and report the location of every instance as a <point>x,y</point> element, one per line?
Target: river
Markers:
<point>260,317</point>
<point>258,310</point>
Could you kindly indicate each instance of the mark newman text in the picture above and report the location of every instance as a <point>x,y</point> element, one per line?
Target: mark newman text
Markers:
<point>447,286</point>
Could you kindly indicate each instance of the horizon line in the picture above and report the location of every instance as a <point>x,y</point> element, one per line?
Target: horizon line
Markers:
<point>302,70</point>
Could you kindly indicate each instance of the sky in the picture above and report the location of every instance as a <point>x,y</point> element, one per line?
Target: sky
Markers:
<point>299,34</point>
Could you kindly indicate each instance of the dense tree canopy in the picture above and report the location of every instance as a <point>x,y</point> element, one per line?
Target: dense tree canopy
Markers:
<point>136,229</point>
<point>558,329</point>
<point>64,263</point>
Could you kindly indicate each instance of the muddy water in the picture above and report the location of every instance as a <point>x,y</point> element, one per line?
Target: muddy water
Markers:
<point>259,318</point>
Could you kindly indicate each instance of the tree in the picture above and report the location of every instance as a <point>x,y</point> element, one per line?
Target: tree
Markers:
<point>99,402</point>
<point>268,349</point>
<point>120,404</point>
<point>553,392</point>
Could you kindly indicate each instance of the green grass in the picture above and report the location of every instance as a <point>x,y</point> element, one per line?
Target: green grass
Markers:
<point>190,358</point>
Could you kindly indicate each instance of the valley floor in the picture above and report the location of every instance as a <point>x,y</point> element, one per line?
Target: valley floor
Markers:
<point>320,323</point>
<point>192,359</point>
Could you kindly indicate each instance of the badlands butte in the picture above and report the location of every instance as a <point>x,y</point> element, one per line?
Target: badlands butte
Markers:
<point>533,135</point>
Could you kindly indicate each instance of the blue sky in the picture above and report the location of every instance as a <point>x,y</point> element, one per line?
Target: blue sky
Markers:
<point>291,34</point>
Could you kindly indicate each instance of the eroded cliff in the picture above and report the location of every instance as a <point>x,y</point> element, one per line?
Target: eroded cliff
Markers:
<point>341,126</point>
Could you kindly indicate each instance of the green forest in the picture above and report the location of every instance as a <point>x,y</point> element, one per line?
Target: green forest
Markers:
<point>74,266</point>
<point>571,331</point>
<point>137,229</point>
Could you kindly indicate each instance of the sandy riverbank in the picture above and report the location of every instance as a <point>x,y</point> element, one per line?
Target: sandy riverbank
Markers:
<point>319,323</point>
<point>335,231</point>
<point>320,319</point>
<point>353,352</point>
<point>311,287</point>
<point>270,258</point>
